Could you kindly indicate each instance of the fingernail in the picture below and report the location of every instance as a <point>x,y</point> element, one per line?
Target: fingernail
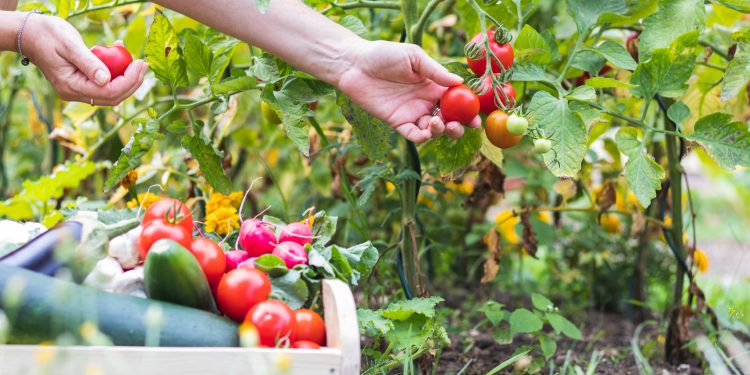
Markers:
<point>458,77</point>
<point>101,77</point>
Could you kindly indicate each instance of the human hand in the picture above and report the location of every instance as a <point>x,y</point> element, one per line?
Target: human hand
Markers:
<point>57,48</point>
<point>401,85</point>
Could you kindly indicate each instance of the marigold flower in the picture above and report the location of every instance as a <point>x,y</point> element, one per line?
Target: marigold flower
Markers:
<point>144,199</point>
<point>506,226</point>
<point>701,260</point>
<point>611,224</point>
<point>222,220</point>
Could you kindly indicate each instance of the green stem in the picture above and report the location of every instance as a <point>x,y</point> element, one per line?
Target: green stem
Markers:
<point>367,4</point>
<point>419,26</point>
<point>714,49</point>
<point>712,66</point>
<point>319,130</point>
<point>105,6</point>
<point>632,120</point>
<point>519,15</point>
<point>4,126</point>
<point>572,55</point>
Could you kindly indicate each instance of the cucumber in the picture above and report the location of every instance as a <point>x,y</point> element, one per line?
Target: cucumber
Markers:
<point>172,274</point>
<point>40,308</point>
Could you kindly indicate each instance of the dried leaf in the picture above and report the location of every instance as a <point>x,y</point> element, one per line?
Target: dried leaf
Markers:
<point>608,196</point>
<point>528,237</point>
<point>492,264</point>
<point>566,188</point>
<point>491,179</point>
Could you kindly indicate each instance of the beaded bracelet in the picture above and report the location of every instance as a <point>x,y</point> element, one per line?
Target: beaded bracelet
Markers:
<point>24,59</point>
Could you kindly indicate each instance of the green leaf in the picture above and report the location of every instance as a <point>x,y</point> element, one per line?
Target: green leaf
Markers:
<point>737,73</point>
<point>524,321</point>
<point>373,136</point>
<point>738,5</point>
<point>643,173</point>
<point>678,112</point>
<point>673,19</point>
<point>604,82</point>
<point>197,55</point>
<point>64,7</point>
<point>297,130</point>
<point>586,13</point>
<point>531,47</point>
<point>234,84</point>
<point>582,93</point>
<point>403,310</point>
<point>461,70</point>
<point>290,288</point>
<point>494,312</point>
<point>529,72</point>
<point>727,141</point>
<point>130,157</point>
<point>508,362</point>
<point>354,24</point>
<point>565,129</point>
<point>560,324</point>
<point>589,61</point>
<point>617,55</point>
<point>541,302</point>
<point>454,154</point>
<point>548,346</point>
<point>265,68</point>
<point>272,265</point>
<point>324,227</point>
<point>163,53</point>
<point>490,151</point>
<point>210,163</point>
<point>79,112</point>
<point>372,323</point>
<point>666,73</point>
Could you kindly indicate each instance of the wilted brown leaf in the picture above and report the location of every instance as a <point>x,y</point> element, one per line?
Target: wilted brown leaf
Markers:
<point>607,197</point>
<point>492,264</point>
<point>528,238</point>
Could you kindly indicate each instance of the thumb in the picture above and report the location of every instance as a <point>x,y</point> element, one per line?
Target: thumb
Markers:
<point>433,70</point>
<point>88,63</point>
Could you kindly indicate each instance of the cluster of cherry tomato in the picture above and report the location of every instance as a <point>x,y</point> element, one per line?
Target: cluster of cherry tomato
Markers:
<point>240,289</point>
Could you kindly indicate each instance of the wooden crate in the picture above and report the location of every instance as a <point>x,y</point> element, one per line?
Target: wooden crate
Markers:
<point>341,356</point>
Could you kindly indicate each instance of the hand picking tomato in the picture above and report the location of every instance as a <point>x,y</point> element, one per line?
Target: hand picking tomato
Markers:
<point>170,211</point>
<point>503,52</point>
<point>210,257</point>
<point>496,128</point>
<point>459,103</point>
<point>116,58</point>
<point>158,230</point>
<point>274,320</point>
<point>241,289</point>
<point>310,326</point>
<point>486,95</point>
<point>303,344</point>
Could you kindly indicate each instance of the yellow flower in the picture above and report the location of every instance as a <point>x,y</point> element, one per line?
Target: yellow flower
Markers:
<point>389,186</point>
<point>506,226</point>
<point>222,220</point>
<point>545,217</point>
<point>218,200</point>
<point>272,157</point>
<point>611,224</point>
<point>701,260</point>
<point>464,188</point>
<point>147,199</point>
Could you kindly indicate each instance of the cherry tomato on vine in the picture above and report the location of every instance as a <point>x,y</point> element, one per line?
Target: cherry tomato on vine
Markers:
<point>503,52</point>
<point>486,95</point>
<point>303,344</point>
<point>274,320</point>
<point>631,43</point>
<point>496,128</point>
<point>542,146</point>
<point>460,104</point>
<point>157,230</point>
<point>210,257</point>
<point>116,58</point>
<point>240,290</point>
<point>169,211</point>
<point>310,326</point>
<point>517,125</point>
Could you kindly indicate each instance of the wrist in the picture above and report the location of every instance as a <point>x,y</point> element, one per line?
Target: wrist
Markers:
<point>344,59</point>
<point>10,23</point>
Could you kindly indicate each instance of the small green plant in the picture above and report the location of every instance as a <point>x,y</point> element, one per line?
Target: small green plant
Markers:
<point>506,325</point>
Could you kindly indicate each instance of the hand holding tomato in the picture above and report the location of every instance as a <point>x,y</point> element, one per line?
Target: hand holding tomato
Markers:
<point>116,58</point>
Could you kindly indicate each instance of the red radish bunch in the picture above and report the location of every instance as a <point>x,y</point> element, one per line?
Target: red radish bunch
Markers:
<point>291,253</point>
<point>300,233</point>
<point>235,258</point>
<point>256,238</point>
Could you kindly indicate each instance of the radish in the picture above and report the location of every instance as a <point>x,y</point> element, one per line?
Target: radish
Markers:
<point>249,264</point>
<point>256,238</point>
<point>234,258</point>
<point>296,232</point>
<point>291,253</point>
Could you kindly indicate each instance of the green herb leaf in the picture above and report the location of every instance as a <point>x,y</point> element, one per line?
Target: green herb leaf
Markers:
<point>541,302</point>
<point>354,24</point>
<point>560,324</point>
<point>678,112</point>
<point>197,55</point>
<point>372,323</point>
<point>290,288</point>
<point>494,312</point>
<point>234,84</point>
<point>524,321</point>
<point>604,83</point>
<point>403,310</point>
<point>272,265</point>
<point>548,345</point>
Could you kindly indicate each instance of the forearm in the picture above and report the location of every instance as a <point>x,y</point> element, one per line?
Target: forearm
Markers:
<point>9,25</point>
<point>288,29</point>
<point>8,4</point>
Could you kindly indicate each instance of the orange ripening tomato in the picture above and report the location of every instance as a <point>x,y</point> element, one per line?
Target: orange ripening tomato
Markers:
<point>496,128</point>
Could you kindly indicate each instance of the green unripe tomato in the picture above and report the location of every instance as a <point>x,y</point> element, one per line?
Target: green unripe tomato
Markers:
<point>542,146</point>
<point>517,125</point>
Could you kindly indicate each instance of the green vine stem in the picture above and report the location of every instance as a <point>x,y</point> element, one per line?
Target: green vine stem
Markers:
<point>110,5</point>
<point>365,4</point>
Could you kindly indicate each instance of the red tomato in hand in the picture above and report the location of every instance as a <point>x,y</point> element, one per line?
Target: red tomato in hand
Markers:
<point>210,257</point>
<point>274,320</point>
<point>116,58</point>
<point>460,104</point>
<point>310,326</point>
<point>303,344</point>
<point>170,211</point>
<point>486,95</point>
<point>157,230</point>
<point>241,289</point>
<point>503,52</point>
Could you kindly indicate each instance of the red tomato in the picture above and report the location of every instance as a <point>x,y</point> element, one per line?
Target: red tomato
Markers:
<point>303,344</point>
<point>210,257</point>
<point>503,52</point>
<point>241,289</point>
<point>274,320</point>
<point>157,230</point>
<point>310,326</point>
<point>170,211</point>
<point>116,58</point>
<point>486,95</point>
<point>460,104</point>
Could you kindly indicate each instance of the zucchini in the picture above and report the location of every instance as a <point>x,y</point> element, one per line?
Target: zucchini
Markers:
<point>41,308</point>
<point>172,274</point>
